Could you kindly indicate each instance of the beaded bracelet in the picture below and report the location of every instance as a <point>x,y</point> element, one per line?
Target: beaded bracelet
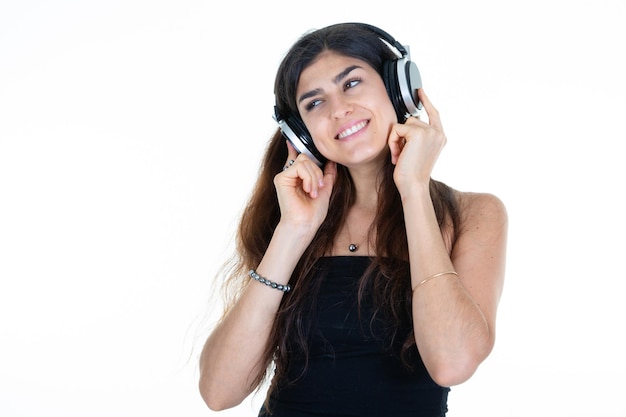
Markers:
<point>259,278</point>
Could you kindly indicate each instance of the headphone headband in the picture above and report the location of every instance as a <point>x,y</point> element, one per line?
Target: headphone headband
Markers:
<point>386,38</point>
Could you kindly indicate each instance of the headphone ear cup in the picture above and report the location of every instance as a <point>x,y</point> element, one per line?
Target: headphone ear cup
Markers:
<point>297,133</point>
<point>390,75</point>
<point>300,132</point>
<point>409,81</point>
<point>402,79</point>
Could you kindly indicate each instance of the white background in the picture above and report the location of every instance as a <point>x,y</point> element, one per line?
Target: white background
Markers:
<point>130,136</point>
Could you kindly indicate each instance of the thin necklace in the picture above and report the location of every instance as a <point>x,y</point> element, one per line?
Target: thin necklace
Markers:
<point>352,247</point>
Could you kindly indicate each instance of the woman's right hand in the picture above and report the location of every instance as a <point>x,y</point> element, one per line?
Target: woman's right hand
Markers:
<point>304,190</point>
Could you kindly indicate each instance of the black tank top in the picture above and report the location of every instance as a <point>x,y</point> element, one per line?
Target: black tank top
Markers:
<point>352,369</point>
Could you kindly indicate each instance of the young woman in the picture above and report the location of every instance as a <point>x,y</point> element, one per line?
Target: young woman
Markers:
<point>361,286</point>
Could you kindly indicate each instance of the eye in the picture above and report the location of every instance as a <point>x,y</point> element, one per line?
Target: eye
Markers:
<point>351,83</point>
<point>312,104</point>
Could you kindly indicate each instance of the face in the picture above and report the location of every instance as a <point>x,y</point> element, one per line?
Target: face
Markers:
<point>344,105</point>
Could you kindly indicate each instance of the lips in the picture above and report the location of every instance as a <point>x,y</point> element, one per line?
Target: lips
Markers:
<point>352,129</point>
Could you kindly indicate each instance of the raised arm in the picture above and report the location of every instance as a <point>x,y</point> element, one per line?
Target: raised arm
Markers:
<point>455,295</point>
<point>233,356</point>
<point>456,290</point>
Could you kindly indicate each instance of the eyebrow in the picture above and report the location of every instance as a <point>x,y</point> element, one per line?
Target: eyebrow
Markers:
<point>343,74</point>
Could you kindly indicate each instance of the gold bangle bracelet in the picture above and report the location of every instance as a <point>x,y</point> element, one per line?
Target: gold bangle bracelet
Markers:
<point>440,274</point>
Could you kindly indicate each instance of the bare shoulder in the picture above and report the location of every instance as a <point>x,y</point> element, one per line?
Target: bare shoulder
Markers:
<point>483,216</point>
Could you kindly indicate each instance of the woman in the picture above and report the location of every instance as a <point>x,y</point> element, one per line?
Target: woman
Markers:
<point>374,287</point>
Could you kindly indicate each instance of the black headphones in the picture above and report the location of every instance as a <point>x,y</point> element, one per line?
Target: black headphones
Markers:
<point>401,78</point>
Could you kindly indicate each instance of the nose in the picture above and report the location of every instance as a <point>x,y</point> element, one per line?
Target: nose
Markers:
<point>341,107</point>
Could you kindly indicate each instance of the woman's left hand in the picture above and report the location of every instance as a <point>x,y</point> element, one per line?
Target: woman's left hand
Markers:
<point>415,146</point>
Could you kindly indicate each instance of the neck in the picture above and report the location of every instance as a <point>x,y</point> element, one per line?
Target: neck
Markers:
<point>366,183</point>
<point>358,235</point>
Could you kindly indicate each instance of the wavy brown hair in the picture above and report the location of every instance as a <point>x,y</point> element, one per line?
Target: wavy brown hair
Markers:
<point>262,214</point>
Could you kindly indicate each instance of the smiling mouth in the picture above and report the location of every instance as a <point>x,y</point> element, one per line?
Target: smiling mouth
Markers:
<point>352,130</point>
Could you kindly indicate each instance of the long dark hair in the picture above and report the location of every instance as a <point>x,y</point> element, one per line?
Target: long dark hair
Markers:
<point>390,283</point>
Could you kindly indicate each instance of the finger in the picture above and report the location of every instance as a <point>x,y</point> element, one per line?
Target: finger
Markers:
<point>292,154</point>
<point>431,111</point>
<point>289,163</point>
<point>308,177</point>
<point>307,174</point>
<point>328,181</point>
<point>291,151</point>
<point>396,141</point>
<point>330,173</point>
<point>311,175</point>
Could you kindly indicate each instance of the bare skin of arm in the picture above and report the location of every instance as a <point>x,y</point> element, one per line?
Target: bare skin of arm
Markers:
<point>233,355</point>
<point>454,315</point>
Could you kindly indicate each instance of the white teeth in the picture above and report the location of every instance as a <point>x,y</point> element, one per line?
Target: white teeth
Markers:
<point>352,130</point>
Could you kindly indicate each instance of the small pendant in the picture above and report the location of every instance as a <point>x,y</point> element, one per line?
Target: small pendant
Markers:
<point>352,247</point>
